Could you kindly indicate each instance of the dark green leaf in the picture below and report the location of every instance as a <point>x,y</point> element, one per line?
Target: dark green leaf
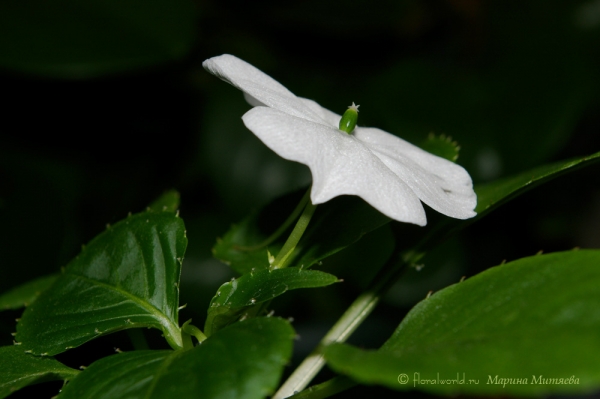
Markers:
<point>168,202</point>
<point>491,195</point>
<point>243,361</point>
<point>20,369</point>
<point>126,277</point>
<point>72,39</point>
<point>231,248</point>
<point>25,294</point>
<point>533,318</point>
<point>441,146</point>
<point>244,296</point>
<point>124,375</point>
<point>334,226</point>
<point>496,193</point>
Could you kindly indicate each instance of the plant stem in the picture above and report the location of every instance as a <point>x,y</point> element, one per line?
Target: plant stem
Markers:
<point>186,339</point>
<point>347,324</point>
<point>328,388</point>
<point>194,331</point>
<point>294,237</point>
<point>290,219</point>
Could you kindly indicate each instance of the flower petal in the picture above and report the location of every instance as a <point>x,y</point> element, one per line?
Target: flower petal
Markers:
<point>340,164</point>
<point>441,184</point>
<point>261,88</point>
<point>330,118</point>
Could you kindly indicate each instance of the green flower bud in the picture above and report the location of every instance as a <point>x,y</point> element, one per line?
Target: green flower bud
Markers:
<point>348,121</point>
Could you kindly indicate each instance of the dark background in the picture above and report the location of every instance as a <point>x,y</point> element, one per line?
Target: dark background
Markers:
<point>106,106</point>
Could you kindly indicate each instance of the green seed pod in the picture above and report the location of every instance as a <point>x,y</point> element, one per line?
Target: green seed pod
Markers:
<point>348,121</point>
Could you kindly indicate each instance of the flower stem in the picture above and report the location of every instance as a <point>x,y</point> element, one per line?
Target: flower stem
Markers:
<point>326,389</point>
<point>346,324</point>
<point>290,219</point>
<point>294,238</point>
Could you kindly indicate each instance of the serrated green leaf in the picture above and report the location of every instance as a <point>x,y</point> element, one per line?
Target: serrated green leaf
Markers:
<point>243,361</point>
<point>244,296</point>
<point>442,146</point>
<point>167,202</point>
<point>126,277</point>
<point>334,226</point>
<point>20,369</point>
<point>531,319</point>
<point>25,294</point>
<point>72,39</point>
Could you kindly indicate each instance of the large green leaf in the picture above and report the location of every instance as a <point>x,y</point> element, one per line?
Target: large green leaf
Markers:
<point>334,226</point>
<point>73,39</point>
<point>535,321</point>
<point>25,294</point>
<point>20,369</point>
<point>126,277</point>
<point>244,296</point>
<point>243,361</point>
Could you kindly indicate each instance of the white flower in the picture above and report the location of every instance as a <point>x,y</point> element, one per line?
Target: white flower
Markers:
<point>389,173</point>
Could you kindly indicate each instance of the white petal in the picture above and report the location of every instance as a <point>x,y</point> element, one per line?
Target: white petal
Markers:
<point>261,88</point>
<point>340,164</point>
<point>441,184</point>
<point>252,101</point>
<point>330,118</point>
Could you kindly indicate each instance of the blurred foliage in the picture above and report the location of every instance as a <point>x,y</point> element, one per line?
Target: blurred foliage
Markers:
<point>108,107</point>
<point>72,39</point>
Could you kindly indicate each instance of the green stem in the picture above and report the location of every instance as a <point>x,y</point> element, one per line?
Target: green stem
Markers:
<point>288,222</point>
<point>192,330</point>
<point>186,340</point>
<point>294,238</point>
<point>328,388</point>
<point>347,323</point>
